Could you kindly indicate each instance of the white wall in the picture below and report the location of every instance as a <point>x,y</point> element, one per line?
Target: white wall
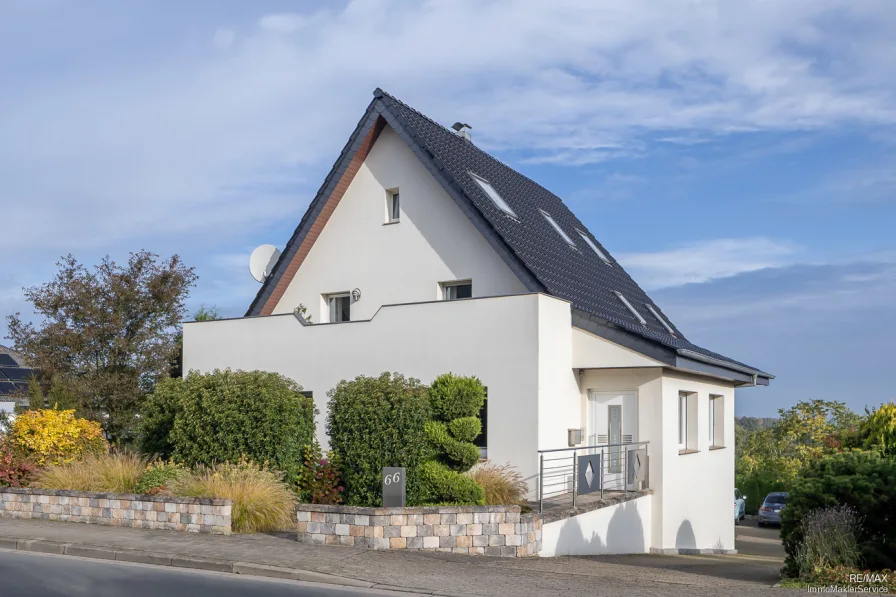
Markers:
<point>589,350</point>
<point>621,528</point>
<point>496,339</point>
<point>559,406</point>
<point>698,493</point>
<point>395,263</point>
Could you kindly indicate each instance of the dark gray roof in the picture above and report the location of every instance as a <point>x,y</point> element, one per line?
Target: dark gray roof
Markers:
<point>528,243</point>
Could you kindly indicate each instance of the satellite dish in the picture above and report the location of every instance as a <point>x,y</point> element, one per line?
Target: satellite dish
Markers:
<point>262,261</point>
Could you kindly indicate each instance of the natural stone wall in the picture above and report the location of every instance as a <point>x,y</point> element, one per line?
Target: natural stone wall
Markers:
<point>195,515</point>
<point>486,530</point>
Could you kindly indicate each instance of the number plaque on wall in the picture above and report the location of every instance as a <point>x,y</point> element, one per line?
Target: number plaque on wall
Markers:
<point>394,485</point>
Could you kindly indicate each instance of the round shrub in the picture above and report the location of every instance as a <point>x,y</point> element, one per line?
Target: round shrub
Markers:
<point>864,481</point>
<point>375,422</point>
<point>446,487</point>
<point>465,429</point>
<point>49,436</point>
<point>454,397</point>
<point>158,476</point>
<point>225,416</point>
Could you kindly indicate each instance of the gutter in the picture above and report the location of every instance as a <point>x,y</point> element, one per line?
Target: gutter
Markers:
<point>755,373</point>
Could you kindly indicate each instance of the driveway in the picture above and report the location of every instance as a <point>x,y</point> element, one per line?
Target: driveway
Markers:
<point>758,561</point>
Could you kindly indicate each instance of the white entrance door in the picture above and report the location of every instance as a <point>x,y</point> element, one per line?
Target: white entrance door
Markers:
<point>613,420</point>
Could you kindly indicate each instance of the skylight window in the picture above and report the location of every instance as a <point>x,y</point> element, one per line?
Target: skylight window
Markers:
<point>494,196</point>
<point>630,307</point>
<point>594,247</point>
<point>557,227</point>
<point>659,318</point>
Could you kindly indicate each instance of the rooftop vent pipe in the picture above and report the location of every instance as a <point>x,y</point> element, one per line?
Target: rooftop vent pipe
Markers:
<point>463,130</point>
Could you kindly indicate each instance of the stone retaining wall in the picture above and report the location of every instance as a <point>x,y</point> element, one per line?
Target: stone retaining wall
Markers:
<point>195,515</point>
<point>486,530</point>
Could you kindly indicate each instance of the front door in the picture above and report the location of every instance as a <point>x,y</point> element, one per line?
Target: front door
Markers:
<point>612,423</point>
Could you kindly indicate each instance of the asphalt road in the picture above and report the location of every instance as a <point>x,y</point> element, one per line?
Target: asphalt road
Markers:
<point>750,539</point>
<point>39,575</point>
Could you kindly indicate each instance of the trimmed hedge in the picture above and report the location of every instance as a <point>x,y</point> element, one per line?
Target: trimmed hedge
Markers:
<point>446,487</point>
<point>455,397</point>
<point>226,416</point>
<point>866,481</point>
<point>374,422</point>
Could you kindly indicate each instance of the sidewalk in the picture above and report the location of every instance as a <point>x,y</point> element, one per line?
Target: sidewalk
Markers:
<point>422,572</point>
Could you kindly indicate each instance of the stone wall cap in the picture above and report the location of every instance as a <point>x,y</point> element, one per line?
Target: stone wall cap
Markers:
<point>168,499</point>
<point>375,511</point>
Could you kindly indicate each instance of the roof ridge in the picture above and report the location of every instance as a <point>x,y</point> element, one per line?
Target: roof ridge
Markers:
<point>380,93</point>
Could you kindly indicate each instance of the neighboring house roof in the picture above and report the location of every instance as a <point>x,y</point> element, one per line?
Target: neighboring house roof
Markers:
<point>528,243</point>
<point>14,374</point>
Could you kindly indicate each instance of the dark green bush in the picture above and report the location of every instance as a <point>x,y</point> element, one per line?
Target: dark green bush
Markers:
<point>446,487</point>
<point>158,476</point>
<point>454,397</point>
<point>224,416</point>
<point>375,422</point>
<point>865,481</point>
<point>157,418</point>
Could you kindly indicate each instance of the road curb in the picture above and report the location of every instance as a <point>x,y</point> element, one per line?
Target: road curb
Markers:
<point>137,556</point>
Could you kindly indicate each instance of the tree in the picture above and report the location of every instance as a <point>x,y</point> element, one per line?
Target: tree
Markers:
<point>109,332</point>
<point>815,427</point>
<point>878,430</point>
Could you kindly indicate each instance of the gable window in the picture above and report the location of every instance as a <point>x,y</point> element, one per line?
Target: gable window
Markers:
<point>659,318</point>
<point>630,307</point>
<point>716,421</point>
<point>557,227</point>
<point>451,291</point>
<point>393,206</point>
<point>492,194</point>
<point>687,422</point>
<point>340,307</point>
<point>594,247</point>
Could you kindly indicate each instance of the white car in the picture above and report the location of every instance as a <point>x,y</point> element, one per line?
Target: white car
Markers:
<point>740,506</point>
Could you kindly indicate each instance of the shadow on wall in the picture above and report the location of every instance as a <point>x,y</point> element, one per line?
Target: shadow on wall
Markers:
<point>685,538</point>
<point>624,534</point>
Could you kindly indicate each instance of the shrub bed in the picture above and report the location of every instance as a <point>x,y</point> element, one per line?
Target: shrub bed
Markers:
<point>864,481</point>
<point>224,416</point>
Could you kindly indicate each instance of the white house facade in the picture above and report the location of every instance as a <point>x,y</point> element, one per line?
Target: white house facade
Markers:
<point>421,254</point>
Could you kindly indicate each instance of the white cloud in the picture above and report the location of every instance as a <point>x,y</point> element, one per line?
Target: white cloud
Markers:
<point>706,260</point>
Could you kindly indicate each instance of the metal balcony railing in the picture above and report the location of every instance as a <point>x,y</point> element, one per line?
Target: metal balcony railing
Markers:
<point>566,473</point>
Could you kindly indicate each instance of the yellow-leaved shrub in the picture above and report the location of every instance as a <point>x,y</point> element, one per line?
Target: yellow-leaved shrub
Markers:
<point>51,437</point>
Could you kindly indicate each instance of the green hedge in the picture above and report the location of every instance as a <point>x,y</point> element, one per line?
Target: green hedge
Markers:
<point>455,397</point>
<point>226,415</point>
<point>446,487</point>
<point>864,480</point>
<point>375,422</point>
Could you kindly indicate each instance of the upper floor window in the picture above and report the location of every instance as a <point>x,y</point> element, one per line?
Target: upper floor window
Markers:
<point>660,318</point>
<point>717,421</point>
<point>457,290</point>
<point>340,307</point>
<point>634,312</point>
<point>687,422</point>
<point>492,194</point>
<point>393,206</point>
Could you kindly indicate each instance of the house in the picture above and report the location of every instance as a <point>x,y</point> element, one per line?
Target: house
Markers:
<point>422,254</point>
<point>14,377</point>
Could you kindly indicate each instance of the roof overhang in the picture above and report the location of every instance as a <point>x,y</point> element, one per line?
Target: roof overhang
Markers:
<point>680,359</point>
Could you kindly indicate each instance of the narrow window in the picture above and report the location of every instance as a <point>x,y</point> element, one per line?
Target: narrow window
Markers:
<point>682,420</point>
<point>630,307</point>
<point>393,206</point>
<point>717,421</point>
<point>340,307</point>
<point>557,227</point>
<point>687,422</point>
<point>660,319</point>
<point>451,291</point>
<point>481,440</point>
<point>492,194</point>
<point>594,247</point>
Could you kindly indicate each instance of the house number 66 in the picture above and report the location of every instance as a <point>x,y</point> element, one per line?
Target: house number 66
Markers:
<point>393,478</point>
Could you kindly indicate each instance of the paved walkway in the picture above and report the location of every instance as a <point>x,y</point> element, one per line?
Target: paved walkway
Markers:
<point>429,573</point>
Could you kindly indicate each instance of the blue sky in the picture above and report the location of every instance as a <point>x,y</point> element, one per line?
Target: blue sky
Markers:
<point>738,158</point>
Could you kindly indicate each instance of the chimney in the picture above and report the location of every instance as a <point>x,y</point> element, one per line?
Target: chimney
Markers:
<point>463,130</point>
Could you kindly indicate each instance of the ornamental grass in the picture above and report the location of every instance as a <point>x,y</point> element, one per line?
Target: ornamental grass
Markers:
<point>262,502</point>
<point>117,472</point>
<point>503,484</point>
